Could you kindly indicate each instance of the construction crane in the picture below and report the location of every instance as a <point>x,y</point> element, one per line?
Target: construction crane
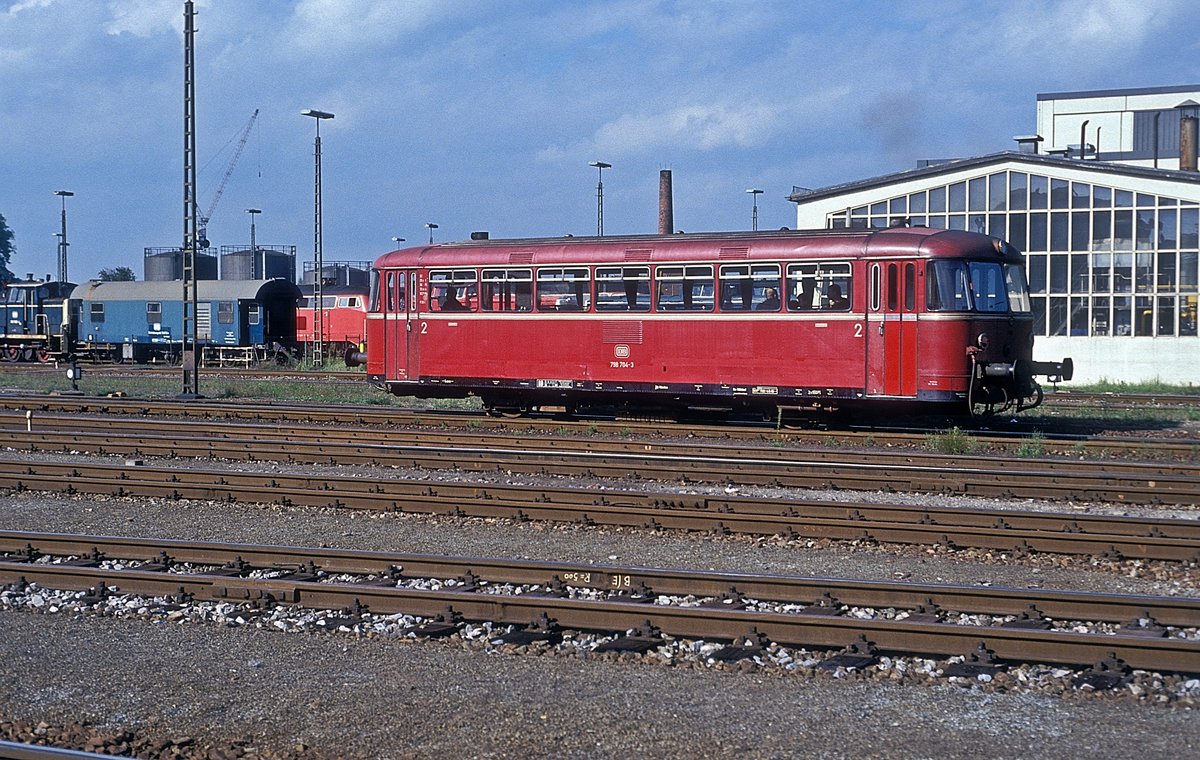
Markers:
<point>203,236</point>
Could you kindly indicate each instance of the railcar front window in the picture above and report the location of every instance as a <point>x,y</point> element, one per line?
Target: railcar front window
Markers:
<point>988,286</point>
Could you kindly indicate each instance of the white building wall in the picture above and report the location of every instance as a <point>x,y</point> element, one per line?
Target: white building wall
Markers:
<point>1059,121</point>
<point>1120,359</point>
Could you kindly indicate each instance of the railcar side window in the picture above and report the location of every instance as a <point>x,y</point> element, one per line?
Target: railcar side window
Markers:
<point>452,290</point>
<point>224,312</point>
<point>1018,291</point>
<point>893,287</point>
<point>684,288</point>
<point>507,289</point>
<point>825,286</point>
<point>947,287</point>
<point>97,312</point>
<point>910,286</point>
<point>566,289</point>
<point>374,297</point>
<point>750,286</point>
<point>622,288</point>
<point>254,313</point>
<point>153,311</point>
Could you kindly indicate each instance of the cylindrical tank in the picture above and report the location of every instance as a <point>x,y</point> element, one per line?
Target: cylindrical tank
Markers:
<point>258,264</point>
<point>166,265</point>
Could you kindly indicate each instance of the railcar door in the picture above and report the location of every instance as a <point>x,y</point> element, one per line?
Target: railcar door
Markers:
<point>396,325</point>
<point>892,328</point>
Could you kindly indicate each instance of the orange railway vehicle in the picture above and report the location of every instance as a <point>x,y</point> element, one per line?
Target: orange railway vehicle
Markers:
<point>345,315</point>
<point>775,323</point>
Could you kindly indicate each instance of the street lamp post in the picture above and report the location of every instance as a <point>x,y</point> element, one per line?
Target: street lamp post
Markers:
<point>600,167</point>
<point>397,240</point>
<point>431,226</point>
<point>318,359</point>
<point>260,271</point>
<point>62,236</point>
<point>754,193</point>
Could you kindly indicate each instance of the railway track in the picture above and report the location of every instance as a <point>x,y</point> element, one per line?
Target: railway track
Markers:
<point>542,599</point>
<point>999,530</point>
<point>1120,482</point>
<point>1013,443</point>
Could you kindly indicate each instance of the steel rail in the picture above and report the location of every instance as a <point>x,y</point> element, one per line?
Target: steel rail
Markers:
<point>1059,605</point>
<point>1129,483</point>
<point>64,424</point>
<point>1172,540</point>
<point>345,414</point>
<point>802,628</point>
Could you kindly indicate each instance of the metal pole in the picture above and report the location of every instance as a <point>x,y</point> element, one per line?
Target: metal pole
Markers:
<point>62,236</point>
<point>600,167</point>
<point>754,193</point>
<point>318,358</point>
<point>189,338</point>
<point>259,269</point>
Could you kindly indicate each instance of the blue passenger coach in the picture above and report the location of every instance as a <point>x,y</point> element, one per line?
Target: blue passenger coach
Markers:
<point>237,321</point>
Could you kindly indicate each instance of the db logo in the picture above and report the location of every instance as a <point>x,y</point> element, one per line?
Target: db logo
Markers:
<point>621,352</point>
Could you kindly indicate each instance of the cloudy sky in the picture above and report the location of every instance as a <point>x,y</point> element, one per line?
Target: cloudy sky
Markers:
<point>484,114</point>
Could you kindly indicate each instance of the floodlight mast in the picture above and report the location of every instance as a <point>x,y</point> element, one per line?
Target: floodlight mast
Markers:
<point>318,357</point>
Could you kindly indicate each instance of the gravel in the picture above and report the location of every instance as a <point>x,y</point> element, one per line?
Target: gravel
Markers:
<point>244,690</point>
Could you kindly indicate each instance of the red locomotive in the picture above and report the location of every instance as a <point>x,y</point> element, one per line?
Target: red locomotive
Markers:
<point>772,322</point>
<point>345,315</point>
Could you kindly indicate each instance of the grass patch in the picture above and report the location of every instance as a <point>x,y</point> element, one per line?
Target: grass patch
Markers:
<point>350,391</point>
<point>1149,386</point>
<point>952,441</point>
<point>1033,446</point>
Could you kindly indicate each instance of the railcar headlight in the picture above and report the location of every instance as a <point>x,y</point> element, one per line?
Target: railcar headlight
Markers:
<point>983,340</point>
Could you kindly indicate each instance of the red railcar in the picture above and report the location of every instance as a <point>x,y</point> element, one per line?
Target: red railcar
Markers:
<point>772,322</point>
<point>345,316</point>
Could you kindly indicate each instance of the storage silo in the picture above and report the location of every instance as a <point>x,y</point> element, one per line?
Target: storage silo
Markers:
<point>258,263</point>
<point>166,264</point>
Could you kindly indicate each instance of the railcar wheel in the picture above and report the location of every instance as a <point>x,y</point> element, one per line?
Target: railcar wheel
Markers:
<point>26,354</point>
<point>43,355</point>
<point>10,354</point>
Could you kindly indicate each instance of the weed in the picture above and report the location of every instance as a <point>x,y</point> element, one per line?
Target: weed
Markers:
<point>1033,446</point>
<point>952,441</point>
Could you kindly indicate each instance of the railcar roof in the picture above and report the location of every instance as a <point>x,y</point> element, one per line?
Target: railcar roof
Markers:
<point>893,241</point>
<point>207,290</point>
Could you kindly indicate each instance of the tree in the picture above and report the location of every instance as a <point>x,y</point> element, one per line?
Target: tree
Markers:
<point>7,249</point>
<point>117,274</point>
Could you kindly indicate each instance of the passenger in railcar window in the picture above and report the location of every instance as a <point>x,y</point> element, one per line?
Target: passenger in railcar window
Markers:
<point>450,302</point>
<point>836,299</point>
<point>770,300</point>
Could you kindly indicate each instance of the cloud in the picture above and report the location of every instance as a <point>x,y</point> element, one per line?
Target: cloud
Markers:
<point>146,18</point>
<point>333,27</point>
<point>701,127</point>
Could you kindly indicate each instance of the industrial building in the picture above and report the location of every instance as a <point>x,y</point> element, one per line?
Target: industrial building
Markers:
<point>1105,202</point>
